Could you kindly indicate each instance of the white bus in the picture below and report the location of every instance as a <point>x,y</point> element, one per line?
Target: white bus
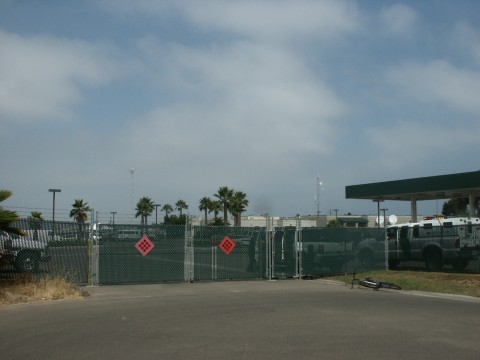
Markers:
<point>435,241</point>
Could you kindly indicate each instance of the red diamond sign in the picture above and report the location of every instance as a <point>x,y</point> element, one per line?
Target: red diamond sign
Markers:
<point>144,245</point>
<point>227,245</point>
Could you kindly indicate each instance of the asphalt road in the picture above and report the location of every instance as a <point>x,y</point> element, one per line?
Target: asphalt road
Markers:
<point>289,319</point>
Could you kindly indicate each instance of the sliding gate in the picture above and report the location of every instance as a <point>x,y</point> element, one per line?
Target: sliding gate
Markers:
<point>153,254</point>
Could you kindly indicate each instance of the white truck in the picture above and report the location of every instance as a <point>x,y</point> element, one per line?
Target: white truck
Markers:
<point>435,241</point>
<point>24,252</point>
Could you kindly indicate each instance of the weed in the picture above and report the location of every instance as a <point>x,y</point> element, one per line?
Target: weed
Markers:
<point>26,289</point>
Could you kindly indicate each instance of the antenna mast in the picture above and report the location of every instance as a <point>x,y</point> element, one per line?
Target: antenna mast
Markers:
<point>319,190</point>
<point>132,173</point>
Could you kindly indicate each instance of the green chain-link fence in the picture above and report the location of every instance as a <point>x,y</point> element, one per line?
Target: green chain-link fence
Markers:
<point>130,254</point>
<point>48,249</point>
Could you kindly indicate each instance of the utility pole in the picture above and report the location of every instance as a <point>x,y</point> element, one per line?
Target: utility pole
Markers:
<point>317,197</point>
<point>156,213</point>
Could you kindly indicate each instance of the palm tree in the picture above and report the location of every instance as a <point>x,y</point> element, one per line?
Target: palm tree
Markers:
<point>205,205</point>
<point>224,194</point>
<point>145,207</point>
<point>216,206</point>
<point>181,205</point>
<point>35,221</point>
<point>238,205</point>
<point>168,209</point>
<point>79,211</point>
<point>79,214</point>
<point>7,217</point>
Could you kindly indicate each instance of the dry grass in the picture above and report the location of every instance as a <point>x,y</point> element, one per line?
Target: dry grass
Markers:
<point>447,283</point>
<point>25,289</point>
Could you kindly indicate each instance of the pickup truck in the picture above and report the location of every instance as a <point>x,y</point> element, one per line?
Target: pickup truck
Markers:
<point>24,252</point>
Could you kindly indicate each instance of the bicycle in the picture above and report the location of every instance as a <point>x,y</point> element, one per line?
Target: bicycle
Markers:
<point>375,284</point>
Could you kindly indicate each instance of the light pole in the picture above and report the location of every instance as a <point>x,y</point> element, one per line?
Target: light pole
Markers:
<point>336,214</point>
<point>378,201</point>
<point>113,217</point>
<point>384,218</point>
<point>386,238</point>
<point>53,211</point>
<point>156,213</point>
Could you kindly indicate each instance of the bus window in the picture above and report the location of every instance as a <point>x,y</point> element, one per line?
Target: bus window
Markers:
<point>416,231</point>
<point>392,232</point>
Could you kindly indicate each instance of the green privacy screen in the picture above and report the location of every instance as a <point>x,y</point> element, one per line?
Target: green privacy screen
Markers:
<point>135,254</point>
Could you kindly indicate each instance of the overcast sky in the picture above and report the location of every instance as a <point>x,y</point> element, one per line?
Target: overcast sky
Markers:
<point>259,96</point>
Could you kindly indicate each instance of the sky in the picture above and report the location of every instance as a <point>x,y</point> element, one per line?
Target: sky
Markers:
<point>113,100</point>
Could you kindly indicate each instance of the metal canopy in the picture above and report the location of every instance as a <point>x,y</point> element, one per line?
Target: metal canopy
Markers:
<point>461,185</point>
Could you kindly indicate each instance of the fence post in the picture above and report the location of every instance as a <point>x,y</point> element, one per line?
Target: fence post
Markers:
<point>93,266</point>
<point>386,247</point>
<point>189,252</point>
<point>268,246</point>
<point>298,248</point>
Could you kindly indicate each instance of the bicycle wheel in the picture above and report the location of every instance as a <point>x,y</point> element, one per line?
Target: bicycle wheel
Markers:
<point>369,284</point>
<point>389,286</point>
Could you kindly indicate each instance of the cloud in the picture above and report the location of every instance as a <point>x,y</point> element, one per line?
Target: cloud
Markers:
<point>41,76</point>
<point>398,19</point>
<point>468,37</point>
<point>245,91</point>
<point>266,20</point>
<point>438,82</point>
<point>242,115</point>
<point>277,20</point>
<point>408,144</point>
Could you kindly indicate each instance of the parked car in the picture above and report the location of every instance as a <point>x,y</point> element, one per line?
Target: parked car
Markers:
<point>25,253</point>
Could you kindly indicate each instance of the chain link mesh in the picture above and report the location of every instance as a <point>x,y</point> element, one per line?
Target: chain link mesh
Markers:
<point>107,254</point>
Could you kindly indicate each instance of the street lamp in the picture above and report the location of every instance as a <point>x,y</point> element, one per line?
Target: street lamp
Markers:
<point>53,211</point>
<point>384,218</point>
<point>156,213</point>
<point>378,201</point>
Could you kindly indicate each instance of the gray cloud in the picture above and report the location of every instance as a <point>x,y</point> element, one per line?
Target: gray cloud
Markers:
<point>42,76</point>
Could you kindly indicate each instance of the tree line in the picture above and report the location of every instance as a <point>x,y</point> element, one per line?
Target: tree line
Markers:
<point>226,200</point>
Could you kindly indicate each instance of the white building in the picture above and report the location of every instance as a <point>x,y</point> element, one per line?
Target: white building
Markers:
<point>352,221</point>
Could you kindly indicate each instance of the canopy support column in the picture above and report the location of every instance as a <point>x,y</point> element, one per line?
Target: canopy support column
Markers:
<point>413,209</point>
<point>471,205</point>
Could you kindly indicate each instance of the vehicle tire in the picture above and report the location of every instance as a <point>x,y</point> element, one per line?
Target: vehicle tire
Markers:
<point>27,261</point>
<point>460,264</point>
<point>366,258</point>
<point>433,260</point>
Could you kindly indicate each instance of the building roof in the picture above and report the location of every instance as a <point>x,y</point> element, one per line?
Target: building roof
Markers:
<point>459,185</point>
